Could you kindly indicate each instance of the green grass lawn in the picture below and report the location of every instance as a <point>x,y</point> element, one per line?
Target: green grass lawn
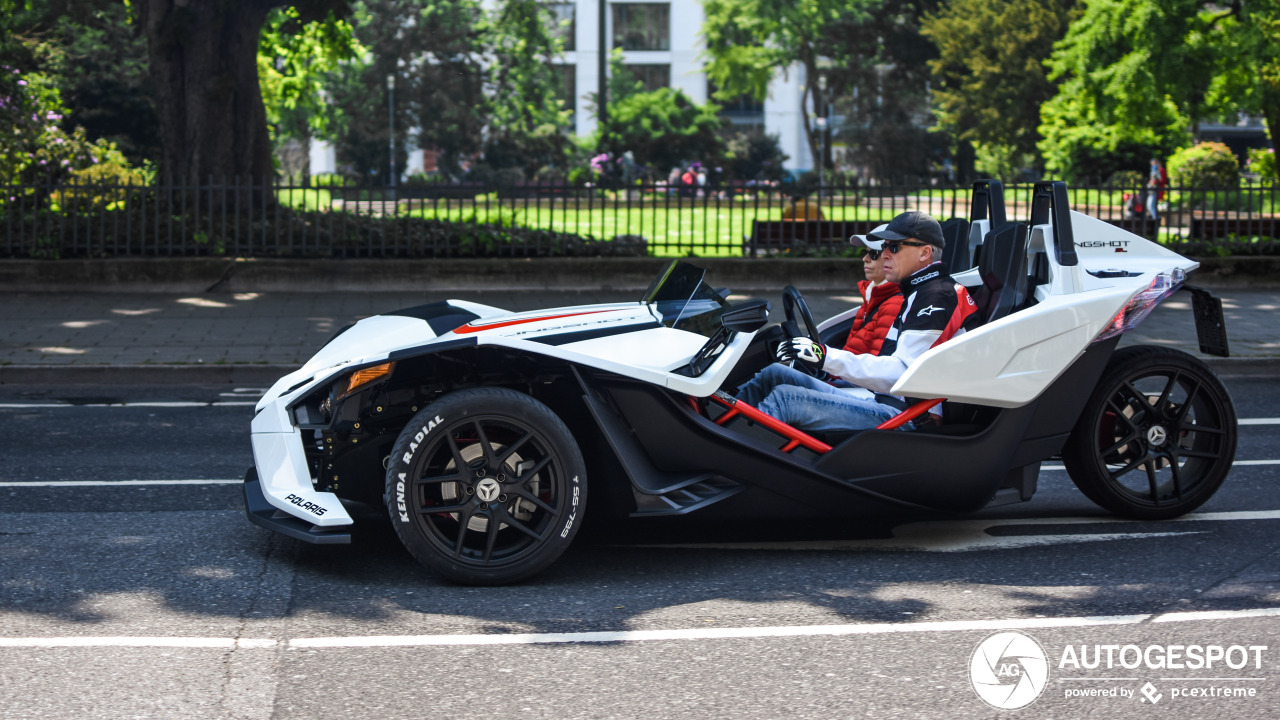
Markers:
<point>711,227</point>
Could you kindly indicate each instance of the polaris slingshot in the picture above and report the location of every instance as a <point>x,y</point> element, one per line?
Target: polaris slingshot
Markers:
<point>484,432</point>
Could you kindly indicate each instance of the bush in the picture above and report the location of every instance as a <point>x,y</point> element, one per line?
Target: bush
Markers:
<point>754,156</point>
<point>1127,179</point>
<point>1203,165</point>
<point>1002,161</point>
<point>1263,162</point>
<point>330,180</point>
<point>33,145</point>
<point>662,129</point>
<point>104,184</point>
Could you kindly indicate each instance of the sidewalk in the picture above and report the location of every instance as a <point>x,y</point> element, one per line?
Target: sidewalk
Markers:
<point>253,338</point>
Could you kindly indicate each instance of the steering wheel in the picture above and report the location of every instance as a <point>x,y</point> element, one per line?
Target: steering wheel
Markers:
<point>793,304</point>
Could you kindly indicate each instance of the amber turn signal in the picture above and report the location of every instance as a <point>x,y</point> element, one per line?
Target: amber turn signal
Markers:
<point>363,377</point>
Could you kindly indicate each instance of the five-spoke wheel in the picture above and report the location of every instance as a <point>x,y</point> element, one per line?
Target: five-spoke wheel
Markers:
<point>1156,438</point>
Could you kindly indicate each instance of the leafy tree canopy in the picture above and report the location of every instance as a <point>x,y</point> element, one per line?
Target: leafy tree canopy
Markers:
<point>881,88</point>
<point>92,53</point>
<point>662,129</point>
<point>527,118</point>
<point>989,75</point>
<point>293,60</point>
<point>748,42</point>
<point>1137,75</point>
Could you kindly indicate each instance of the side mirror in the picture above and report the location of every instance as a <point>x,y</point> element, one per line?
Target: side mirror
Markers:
<point>747,317</point>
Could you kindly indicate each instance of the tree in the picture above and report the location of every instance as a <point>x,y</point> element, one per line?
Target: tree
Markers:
<point>1139,75</point>
<point>527,118</point>
<point>432,51</point>
<point>203,56</point>
<point>467,81</point>
<point>293,60</point>
<point>662,129</point>
<point>89,51</point>
<point>880,87</point>
<point>989,76</point>
<point>750,41</point>
<point>1247,38</point>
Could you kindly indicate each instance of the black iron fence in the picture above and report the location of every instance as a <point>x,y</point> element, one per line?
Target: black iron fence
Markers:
<point>267,219</point>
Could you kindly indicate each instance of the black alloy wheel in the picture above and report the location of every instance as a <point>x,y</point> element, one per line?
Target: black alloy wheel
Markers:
<point>486,486</point>
<point>1156,438</point>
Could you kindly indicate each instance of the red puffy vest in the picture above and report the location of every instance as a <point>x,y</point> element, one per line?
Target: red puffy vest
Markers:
<point>880,306</point>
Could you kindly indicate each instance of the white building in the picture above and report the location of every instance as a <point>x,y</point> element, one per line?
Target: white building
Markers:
<point>662,44</point>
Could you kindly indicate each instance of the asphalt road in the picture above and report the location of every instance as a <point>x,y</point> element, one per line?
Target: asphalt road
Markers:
<point>131,596</point>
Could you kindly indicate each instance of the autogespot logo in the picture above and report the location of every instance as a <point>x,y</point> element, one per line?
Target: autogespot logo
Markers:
<point>1009,670</point>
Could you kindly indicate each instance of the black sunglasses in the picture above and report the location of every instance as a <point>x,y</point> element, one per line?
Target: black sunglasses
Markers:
<point>868,252</point>
<point>893,246</point>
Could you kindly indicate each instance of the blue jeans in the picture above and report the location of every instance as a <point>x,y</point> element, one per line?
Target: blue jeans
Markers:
<point>805,402</point>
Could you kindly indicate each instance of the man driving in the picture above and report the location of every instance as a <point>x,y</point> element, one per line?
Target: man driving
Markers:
<point>935,309</point>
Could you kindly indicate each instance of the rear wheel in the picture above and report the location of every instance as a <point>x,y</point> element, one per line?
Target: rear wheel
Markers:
<point>1157,437</point>
<point>486,486</point>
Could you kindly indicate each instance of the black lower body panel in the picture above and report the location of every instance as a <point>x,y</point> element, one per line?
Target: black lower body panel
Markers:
<point>265,514</point>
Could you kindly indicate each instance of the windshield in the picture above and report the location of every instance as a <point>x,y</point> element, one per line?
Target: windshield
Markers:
<point>682,301</point>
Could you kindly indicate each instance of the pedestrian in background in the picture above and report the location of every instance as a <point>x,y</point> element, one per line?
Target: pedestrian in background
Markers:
<point>1157,180</point>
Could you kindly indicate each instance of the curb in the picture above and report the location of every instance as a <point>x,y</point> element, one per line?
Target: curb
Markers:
<point>266,375</point>
<point>210,275</point>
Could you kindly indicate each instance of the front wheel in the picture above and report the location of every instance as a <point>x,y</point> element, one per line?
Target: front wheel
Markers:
<point>1157,436</point>
<point>486,486</point>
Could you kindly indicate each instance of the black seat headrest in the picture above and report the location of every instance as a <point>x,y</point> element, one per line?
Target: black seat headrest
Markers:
<point>1003,269</point>
<point>955,256</point>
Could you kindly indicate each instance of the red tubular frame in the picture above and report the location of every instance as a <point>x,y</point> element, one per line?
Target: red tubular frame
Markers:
<point>909,414</point>
<point>796,437</point>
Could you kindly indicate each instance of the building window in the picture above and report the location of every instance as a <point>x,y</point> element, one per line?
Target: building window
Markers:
<point>652,76</point>
<point>568,93</point>
<point>742,110</point>
<point>564,18</point>
<point>642,26</point>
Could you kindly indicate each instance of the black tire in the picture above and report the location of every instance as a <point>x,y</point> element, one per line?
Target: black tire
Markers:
<point>481,458</point>
<point>1157,436</point>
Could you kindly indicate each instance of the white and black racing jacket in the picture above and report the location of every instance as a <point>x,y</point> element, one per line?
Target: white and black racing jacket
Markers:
<point>935,310</point>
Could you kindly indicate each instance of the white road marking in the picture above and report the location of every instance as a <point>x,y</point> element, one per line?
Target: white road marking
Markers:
<point>1237,462</point>
<point>109,483</point>
<point>1259,421</point>
<point>626,636</point>
<point>128,641</point>
<point>972,535</point>
<point>1217,615</point>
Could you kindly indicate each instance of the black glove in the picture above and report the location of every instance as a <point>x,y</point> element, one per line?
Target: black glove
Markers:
<point>802,351</point>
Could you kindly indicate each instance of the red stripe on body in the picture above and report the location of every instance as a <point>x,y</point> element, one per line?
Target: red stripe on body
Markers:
<point>471,327</point>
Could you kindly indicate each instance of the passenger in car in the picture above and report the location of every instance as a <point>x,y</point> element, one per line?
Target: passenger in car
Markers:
<point>881,300</point>
<point>934,309</point>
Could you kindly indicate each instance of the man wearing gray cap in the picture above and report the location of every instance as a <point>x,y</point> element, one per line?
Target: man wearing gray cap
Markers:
<point>935,309</point>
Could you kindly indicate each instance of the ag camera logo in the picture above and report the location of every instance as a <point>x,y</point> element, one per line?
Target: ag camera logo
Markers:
<point>1009,670</point>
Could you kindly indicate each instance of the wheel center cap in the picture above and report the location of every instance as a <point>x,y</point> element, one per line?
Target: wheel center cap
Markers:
<point>488,490</point>
<point>1157,436</point>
